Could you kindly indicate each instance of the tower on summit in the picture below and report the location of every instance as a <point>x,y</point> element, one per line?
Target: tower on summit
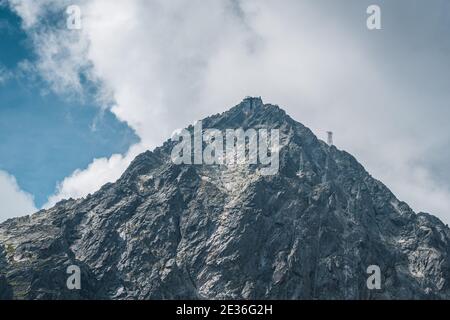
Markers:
<point>330,138</point>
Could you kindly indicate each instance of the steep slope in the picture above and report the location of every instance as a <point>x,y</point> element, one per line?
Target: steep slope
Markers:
<point>166,231</point>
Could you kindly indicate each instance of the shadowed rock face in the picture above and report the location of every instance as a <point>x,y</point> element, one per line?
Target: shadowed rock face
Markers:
<point>166,231</point>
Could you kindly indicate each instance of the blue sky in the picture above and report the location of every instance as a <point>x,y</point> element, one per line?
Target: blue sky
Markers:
<point>44,136</point>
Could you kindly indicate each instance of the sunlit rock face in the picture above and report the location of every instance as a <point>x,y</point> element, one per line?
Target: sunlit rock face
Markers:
<point>167,231</point>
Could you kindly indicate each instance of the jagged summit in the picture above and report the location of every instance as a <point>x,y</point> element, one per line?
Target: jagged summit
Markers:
<point>253,102</point>
<point>167,231</point>
<point>251,111</point>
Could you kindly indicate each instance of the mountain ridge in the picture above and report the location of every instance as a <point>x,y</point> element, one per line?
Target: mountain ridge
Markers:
<point>166,231</point>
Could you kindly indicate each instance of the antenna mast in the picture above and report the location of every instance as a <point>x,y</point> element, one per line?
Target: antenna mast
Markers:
<point>330,138</point>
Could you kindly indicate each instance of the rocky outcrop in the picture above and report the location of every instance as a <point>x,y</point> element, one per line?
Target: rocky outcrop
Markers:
<point>166,231</point>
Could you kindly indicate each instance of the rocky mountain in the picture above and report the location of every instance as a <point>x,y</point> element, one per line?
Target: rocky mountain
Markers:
<point>167,231</point>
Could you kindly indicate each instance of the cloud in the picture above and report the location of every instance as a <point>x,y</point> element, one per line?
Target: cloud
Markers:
<point>164,64</point>
<point>5,75</point>
<point>91,179</point>
<point>14,202</point>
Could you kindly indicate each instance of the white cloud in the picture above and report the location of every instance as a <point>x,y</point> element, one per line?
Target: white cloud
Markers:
<point>28,11</point>
<point>13,201</point>
<point>169,63</point>
<point>61,52</point>
<point>91,179</point>
<point>5,75</point>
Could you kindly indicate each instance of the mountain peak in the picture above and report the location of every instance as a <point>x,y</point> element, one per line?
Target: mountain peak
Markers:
<point>222,231</point>
<point>252,102</point>
<point>250,112</point>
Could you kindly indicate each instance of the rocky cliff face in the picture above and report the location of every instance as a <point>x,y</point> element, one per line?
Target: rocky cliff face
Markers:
<point>166,231</point>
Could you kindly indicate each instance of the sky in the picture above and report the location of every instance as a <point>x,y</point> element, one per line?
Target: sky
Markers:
<point>76,106</point>
<point>45,136</point>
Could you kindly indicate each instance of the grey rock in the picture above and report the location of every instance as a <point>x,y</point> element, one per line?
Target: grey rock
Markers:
<point>166,231</point>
